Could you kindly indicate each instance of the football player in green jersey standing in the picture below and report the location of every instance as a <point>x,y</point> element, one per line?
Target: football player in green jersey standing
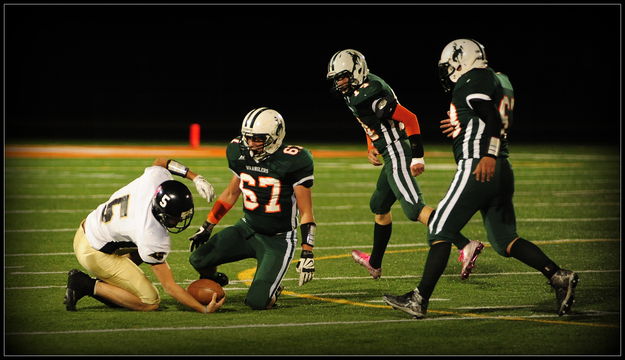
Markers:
<point>275,181</point>
<point>392,132</point>
<point>480,114</point>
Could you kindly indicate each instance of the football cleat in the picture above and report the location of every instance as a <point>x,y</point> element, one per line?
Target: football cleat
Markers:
<point>218,277</point>
<point>468,256</point>
<point>564,283</point>
<point>77,287</point>
<point>363,259</point>
<point>274,298</point>
<point>411,302</point>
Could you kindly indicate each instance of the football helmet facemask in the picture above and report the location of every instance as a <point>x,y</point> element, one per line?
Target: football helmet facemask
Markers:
<point>348,64</point>
<point>459,57</point>
<point>261,125</point>
<point>172,206</point>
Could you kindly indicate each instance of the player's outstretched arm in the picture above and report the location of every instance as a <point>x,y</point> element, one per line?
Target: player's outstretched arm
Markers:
<point>204,188</point>
<point>164,275</point>
<point>222,205</point>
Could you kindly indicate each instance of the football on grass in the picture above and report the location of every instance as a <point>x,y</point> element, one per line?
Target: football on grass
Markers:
<point>202,290</point>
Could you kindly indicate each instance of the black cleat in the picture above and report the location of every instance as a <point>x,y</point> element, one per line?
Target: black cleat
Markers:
<point>218,277</point>
<point>412,303</point>
<point>564,283</point>
<point>77,287</point>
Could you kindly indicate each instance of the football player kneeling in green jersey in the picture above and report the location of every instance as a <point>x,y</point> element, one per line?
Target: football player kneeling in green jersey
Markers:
<point>275,181</point>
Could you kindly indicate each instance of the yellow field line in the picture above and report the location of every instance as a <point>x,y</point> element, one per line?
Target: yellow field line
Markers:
<point>246,275</point>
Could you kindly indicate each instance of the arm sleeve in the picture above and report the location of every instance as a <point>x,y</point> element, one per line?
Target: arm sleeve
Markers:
<point>388,107</point>
<point>369,143</point>
<point>408,118</point>
<point>413,130</point>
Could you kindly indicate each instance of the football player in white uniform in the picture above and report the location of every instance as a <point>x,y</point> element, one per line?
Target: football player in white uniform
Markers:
<point>131,228</point>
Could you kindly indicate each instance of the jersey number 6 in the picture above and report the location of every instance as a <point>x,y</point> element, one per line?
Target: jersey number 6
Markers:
<point>250,199</point>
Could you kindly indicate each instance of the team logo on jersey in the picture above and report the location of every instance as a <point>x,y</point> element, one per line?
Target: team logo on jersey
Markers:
<point>257,169</point>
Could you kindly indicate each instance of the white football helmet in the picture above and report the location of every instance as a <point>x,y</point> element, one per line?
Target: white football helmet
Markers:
<point>262,124</point>
<point>350,63</point>
<point>457,58</point>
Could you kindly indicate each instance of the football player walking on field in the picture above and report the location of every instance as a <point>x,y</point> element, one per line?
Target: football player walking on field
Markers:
<point>482,102</point>
<point>392,132</point>
<point>275,181</point>
<point>133,227</point>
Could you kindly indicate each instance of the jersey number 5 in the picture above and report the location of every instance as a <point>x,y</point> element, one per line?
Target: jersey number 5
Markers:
<point>107,212</point>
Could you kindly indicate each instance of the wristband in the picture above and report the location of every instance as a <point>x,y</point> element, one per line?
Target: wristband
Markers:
<point>416,146</point>
<point>208,226</point>
<point>417,161</point>
<point>177,168</point>
<point>218,211</point>
<point>493,146</point>
<point>308,233</point>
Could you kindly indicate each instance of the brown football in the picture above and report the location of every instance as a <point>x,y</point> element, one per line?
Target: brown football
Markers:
<point>202,290</point>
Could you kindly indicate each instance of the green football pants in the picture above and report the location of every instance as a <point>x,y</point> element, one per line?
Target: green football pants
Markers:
<point>396,183</point>
<point>240,241</point>
<point>466,196</point>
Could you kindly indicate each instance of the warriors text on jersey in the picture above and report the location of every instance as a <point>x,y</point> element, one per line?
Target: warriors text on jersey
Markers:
<point>485,84</point>
<point>382,132</point>
<point>269,203</point>
<point>126,219</point>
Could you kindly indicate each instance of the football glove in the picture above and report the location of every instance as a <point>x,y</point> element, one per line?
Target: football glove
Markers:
<point>205,188</point>
<point>201,236</point>
<point>306,267</point>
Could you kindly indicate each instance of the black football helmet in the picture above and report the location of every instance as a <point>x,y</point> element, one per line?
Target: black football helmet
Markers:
<point>172,206</point>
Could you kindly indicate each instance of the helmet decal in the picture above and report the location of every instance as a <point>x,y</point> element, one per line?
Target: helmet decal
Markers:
<point>350,64</point>
<point>457,54</point>
<point>265,129</point>
<point>459,57</point>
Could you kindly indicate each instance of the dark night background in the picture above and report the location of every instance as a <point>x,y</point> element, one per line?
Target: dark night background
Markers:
<point>145,72</point>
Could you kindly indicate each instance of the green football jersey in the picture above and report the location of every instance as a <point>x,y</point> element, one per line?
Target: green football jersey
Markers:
<point>269,204</point>
<point>381,131</point>
<point>469,137</point>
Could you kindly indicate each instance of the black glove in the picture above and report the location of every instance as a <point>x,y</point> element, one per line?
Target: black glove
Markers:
<point>201,236</point>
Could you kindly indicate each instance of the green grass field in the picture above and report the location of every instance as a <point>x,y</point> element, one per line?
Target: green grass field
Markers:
<point>567,200</point>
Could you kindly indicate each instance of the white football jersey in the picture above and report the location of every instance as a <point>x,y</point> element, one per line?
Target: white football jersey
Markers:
<point>126,219</point>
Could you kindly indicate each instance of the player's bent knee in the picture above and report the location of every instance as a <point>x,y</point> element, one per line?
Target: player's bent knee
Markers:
<point>383,219</point>
<point>257,297</point>
<point>256,304</point>
<point>150,307</point>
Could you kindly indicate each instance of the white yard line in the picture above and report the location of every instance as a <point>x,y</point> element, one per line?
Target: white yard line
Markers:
<point>351,223</point>
<point>314,324</point>
<point>332,278</point>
